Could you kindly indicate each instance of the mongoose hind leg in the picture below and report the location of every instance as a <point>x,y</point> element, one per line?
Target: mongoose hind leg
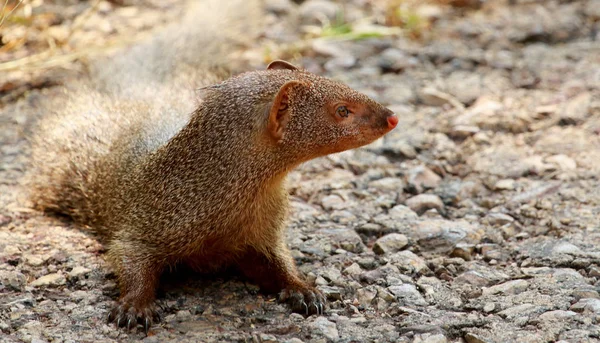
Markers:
<point>275,271</point>
<point>138,276</point>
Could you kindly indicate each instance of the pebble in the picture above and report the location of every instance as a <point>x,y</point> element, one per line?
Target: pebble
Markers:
<point>505,185</point>
<point>54,279</point>
<point>439,235</point>
<point>79,271</point>
<point>333,202</point>
<point>422,178</point>
<point>323,327</point>
<point>388,184</point>
<point>423,202</point>
<point>13,280</point>
<point>430,338</point>
<point>510,287</point>
<point>391,243</point>
<point>587,305</point>
<point>318,11</point>
<point>557,315</point>
<point>408,262</point>
<point>563,162</point>
<point>407,294</point>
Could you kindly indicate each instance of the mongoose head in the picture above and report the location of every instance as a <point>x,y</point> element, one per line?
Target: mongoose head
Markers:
<point>312,116</point>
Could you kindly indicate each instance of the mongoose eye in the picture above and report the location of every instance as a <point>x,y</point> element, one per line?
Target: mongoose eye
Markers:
<point>342,111</point>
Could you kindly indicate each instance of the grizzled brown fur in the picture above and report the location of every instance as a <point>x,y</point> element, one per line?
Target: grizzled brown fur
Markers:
<point>172,179</point>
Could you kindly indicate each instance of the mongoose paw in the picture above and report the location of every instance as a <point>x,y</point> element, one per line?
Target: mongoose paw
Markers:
<point>128,315</point>
<point>304,299</point>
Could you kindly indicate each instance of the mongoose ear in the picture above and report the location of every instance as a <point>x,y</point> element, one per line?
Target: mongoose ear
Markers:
<point>279,64</point>
<point>279,114</point>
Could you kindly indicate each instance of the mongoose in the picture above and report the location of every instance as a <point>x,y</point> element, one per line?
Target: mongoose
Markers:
<point>204,188</point>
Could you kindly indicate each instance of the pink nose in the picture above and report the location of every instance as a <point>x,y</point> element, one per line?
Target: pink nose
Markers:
<point>392,122</point>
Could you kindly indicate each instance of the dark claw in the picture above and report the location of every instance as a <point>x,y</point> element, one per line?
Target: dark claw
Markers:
<point>147,325</point>
<point>306,307</point>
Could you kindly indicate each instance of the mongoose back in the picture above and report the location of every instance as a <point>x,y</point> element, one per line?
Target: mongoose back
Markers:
<point>200,183</point>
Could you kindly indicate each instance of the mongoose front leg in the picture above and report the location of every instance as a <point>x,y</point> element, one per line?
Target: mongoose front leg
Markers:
<point>138,276</point>
<point>275,271</point>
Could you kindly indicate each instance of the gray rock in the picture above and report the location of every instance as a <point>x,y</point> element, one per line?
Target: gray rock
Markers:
<point>54,279</point>
<point>408,262</point>
<point>79,271</point>
<point>423,202</point>
<point>437,235</point>
<point>318,11</point>
<point>13,280</point>
<point>395,60</point>
<point>587,305</point>
<point>323,327</point>
<point>422,178</point>
<point>465,86</point>
<point>510,287</point>
<point>430,338</point>
<point>407,294</point>
<point>391,243</point>
<point>390,184</point>
<point>496,218</point>
<point>523,310</point>
<point>366,295</point>
<point>558,315</point>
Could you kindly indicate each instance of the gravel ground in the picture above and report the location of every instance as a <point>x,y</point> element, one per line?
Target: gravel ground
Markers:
<point>476,220</point>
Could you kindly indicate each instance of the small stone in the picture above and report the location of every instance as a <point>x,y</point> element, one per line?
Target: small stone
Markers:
<point>505,185</point>
<point>409,262</point>
<point>13,280</point>
<point>585,293</point>
<point>33,260</point>
<point>366,295</point>
<point>333,202</point>
<point>353,270</point>
<point>279,6</point>
<point>390,243</point>
<point>402,213</point>
<point>464,251</point>
<point>395,60</point>
<point>422,178</point>
<point>429,338</point>
<point>423,202</point>
<point>318,11</point>
<point>79,271</point>
<point>54,279</point>
<point>322,326</point>
<point>496,218</point>
<point>183,315</point>
<point>489,307</point>
<point>565,248</point>
<point>519,311</point>
<point>510,287</point>
<point>438,235</point>
<point>293,340</point>
<point>433,97</point>
<point>563,162</point>
<point>473,338</point>
<point>266,338</point>
<point>331,292</point>
<point>408,294</point>
<point>576,109</point>
<point>587,305</point>
<point>390,184</point>
<point>557,315</point>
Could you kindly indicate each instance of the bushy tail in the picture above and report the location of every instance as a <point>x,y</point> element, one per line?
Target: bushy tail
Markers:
<point>132,103</point>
